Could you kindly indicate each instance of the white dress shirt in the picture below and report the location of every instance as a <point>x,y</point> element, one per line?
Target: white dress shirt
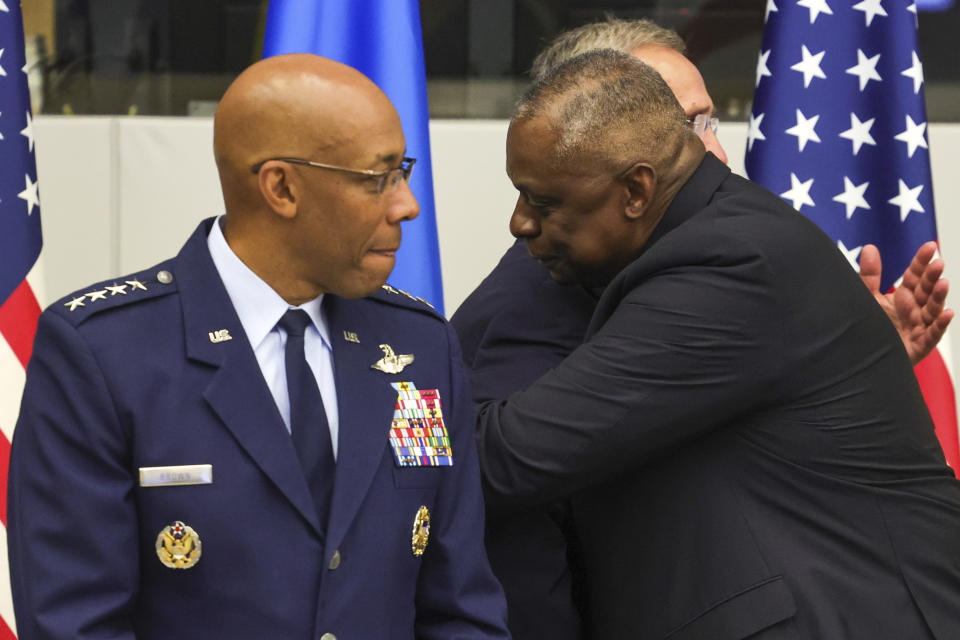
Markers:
<point>259,308</point>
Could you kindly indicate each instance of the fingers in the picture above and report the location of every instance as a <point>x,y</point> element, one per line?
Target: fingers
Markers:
<point>871,267</point>
<point>919,268</point>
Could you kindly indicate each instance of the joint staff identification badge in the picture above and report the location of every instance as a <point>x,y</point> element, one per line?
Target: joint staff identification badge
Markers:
<point>178,546</point>
<point>418,436</point>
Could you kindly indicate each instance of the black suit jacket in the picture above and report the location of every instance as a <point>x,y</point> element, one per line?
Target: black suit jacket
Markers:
<point>743,439</point>
<point>515,326</point>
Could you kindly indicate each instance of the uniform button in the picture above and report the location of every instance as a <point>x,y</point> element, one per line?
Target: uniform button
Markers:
<point>328,636</point>
<point>164,277</point>
<point>334,563</point>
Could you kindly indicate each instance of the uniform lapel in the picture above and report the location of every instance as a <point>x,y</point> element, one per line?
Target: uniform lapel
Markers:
<point>365,402</point>
<point>237,391</point>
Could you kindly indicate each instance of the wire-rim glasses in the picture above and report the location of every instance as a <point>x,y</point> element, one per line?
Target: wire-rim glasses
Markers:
<point>386,178</point>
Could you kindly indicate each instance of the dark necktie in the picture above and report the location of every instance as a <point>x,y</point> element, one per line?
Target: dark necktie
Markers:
<point>308,420</point>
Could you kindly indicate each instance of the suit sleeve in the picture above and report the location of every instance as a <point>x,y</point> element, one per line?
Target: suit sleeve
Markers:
<point>72,523</point>
<point>684,353</point>
<point>458,597</point>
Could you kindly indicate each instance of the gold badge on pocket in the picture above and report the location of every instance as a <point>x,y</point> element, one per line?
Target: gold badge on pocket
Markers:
<point>421,531</point>
<point>178,546</point>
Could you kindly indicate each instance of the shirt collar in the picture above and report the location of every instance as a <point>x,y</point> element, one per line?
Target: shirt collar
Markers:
<point>258,306</point>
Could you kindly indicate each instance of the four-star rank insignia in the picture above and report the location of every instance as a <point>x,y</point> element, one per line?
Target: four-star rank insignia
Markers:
<point>178,546</point>
<point>421,531</point>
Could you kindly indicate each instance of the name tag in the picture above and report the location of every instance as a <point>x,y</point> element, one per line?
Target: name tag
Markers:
<point>177,475</point>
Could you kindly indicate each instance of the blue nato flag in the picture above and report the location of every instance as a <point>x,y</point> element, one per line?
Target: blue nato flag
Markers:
<point>383,40</point>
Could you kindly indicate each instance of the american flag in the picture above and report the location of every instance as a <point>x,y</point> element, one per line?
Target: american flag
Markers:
<point>838,129</point>
<point>20,243</point>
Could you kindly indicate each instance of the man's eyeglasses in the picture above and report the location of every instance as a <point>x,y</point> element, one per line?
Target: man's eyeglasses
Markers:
<point>701,122</point>
<point>387,179</point>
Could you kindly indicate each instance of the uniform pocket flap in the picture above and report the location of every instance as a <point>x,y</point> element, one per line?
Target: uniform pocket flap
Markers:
<point>741,615</point>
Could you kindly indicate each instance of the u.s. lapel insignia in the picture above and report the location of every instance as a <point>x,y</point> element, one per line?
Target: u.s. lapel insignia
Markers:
<point>220,335</point>
<point>351,336</point>
<point>421,531</point>
<point>178,546</point>
<point>391,362</point>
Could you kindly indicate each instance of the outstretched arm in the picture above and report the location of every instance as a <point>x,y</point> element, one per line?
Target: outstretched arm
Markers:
<point>915,307</point>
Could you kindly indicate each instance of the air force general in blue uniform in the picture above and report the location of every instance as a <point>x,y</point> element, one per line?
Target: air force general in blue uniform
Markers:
<point>155,491</point>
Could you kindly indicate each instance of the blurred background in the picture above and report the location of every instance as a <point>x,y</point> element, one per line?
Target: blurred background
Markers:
<point>176,57</point>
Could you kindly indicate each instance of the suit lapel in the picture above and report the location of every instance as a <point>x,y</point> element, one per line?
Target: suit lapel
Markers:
<point>237,391</point>
<point>365,402</point>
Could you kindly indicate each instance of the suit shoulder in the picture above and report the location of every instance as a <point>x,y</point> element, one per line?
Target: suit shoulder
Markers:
<point>116,293</point>
<point>401,299</point>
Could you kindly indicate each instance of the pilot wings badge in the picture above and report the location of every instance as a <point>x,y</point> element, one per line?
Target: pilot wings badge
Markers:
<point>178,546</point>
<point>391,362</point>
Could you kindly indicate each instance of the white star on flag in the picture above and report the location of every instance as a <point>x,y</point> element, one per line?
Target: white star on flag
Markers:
<point>859,133</point>
<point>850,254</point>
<point>771,7</point>
<point>799,192</point>
<point>865,69</point>
<point>4,7</point>
<point>762,69</point>
<point>1,132</point>
<point>908,200</point>
<point>852,196</point>
<point>753,130</point>
<point>816,7</point>
<point>913,136</point>
<point>28,131</point>
<point>914,72</point>
<point>870,8</point>
<point>803,130</point>
<point>2,72</point>
<point>29,194</point>
<point>809,65</point>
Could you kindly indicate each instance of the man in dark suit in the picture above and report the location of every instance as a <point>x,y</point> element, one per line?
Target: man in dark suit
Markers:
<point>519,323</point>
<point>168,478</point>
<point>744,444</point>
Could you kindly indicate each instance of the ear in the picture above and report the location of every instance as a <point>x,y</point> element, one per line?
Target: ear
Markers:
<point>640,180</point>
<point>279,188</point>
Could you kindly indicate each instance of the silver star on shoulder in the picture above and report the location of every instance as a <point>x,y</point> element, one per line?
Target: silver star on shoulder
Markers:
<point>76,302</point>
<point>97,295</point>
<point>136,284</point>
<point>391,362</point>
<point>117,289</point>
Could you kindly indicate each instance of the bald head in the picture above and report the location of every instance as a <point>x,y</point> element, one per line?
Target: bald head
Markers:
<point>296,105</point>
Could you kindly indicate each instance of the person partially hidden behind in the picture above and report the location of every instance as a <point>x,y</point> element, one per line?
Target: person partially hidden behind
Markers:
<point>518,324</point>
<point>214,447</point>
<point>743,441</point>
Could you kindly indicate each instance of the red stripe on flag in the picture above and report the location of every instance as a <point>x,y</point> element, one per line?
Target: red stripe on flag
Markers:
<point>4,468</point>
<point>937,389</point>
<point>5,632</point>
<point>18,321</point>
